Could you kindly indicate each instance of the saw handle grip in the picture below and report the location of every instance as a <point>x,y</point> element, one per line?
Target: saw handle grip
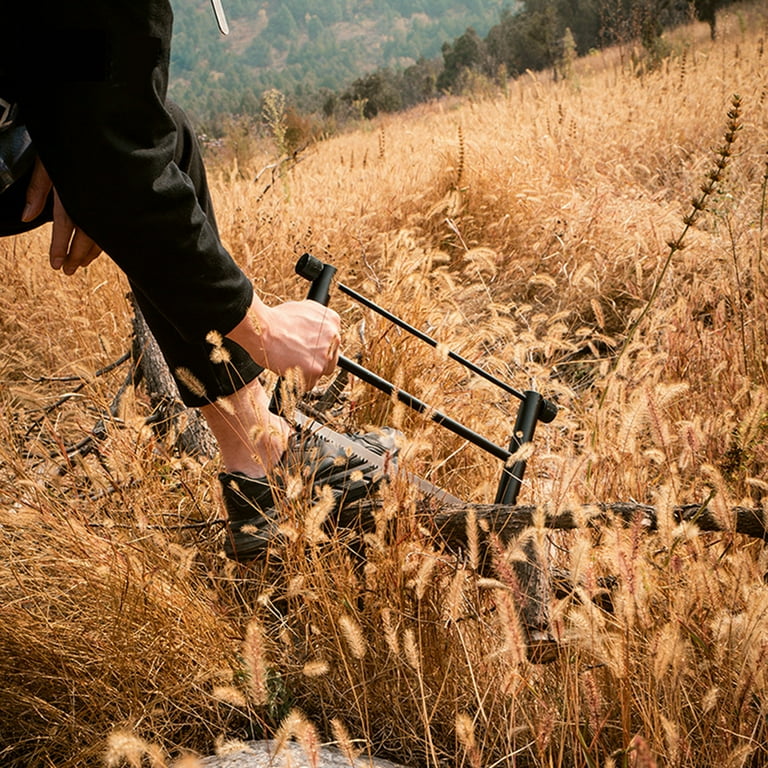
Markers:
<point>319,274</point>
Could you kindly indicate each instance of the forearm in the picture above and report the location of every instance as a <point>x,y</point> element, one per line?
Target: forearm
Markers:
<point>108,142</point>
<point>252,332</point>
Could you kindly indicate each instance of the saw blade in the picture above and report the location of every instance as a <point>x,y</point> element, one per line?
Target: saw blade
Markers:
<point>354,447</point>
<point>221,19</point>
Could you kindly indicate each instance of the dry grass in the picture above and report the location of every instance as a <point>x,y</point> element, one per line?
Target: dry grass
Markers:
<point>530,232</point>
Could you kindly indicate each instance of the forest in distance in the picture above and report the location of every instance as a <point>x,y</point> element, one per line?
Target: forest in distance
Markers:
<point>305,48</point>
<point>389,56</point>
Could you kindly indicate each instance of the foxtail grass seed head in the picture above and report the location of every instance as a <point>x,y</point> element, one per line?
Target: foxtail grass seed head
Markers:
<point>545,727</point>
<point>514,646</point>
<point>309,740</point>
<point>390,631</point>
<point>597,310</point>
<point>124,747</point>
<point>594,701</point>
<point>452,604</point>
<point>461,157</point>
<point>187,761</point>
<point>504,570</point>
<point>523,453</point>
<point>316,668</point>
<point>485,583</point>
<point>343,740</point>
<point>465,734</point>
<point>219,353</point>
<point>254,656</point>
<point>229,695</point>
<point>353,636</point>
<point>226,746</point>
<point>676,744</point>
<point>296,586</point>
<point>465,730</point>
<point>711,699</point>
<point>291,727</point>
<point>640,753</point>
<point>424,575</point>
<point>473,540</point>
<point>411,649</point>
<point>190,381</point>
<point>291,389</point>
<point>294,487</point>
<point>226,405</point>
<point>317,515</point>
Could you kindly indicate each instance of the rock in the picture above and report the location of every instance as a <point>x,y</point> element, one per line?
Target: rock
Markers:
<point>261,754</point>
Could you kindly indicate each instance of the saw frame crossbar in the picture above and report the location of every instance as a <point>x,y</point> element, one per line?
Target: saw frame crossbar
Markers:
<point>533,407</point>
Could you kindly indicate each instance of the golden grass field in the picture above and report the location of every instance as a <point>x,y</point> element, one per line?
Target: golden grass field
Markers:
<point>540,232</point>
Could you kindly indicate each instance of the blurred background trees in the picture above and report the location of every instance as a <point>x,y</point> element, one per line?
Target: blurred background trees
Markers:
<point>348,59</point>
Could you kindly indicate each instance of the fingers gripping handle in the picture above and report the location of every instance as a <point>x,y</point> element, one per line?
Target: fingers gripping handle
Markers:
<point>320,275</point>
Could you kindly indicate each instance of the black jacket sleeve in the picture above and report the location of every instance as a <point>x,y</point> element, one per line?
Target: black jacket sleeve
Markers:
<point>91,79</point>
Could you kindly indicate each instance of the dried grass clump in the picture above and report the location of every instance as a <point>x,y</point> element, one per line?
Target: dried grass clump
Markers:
<point>109,627</point>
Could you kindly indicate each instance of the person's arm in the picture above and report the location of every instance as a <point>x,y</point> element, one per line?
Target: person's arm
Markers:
<point>93,97</point>
<point>92,80</point>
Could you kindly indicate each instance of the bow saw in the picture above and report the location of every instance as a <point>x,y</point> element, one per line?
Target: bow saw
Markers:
<point>533,407</point>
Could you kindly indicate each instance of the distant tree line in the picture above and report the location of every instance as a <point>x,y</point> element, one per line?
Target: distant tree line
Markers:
<point>305,49</point>
<point>539,36</point>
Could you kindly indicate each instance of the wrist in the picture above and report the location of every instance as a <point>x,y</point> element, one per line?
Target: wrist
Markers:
<point>252,332</point>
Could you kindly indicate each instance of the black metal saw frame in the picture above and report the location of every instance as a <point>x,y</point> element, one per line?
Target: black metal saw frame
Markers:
<point>533,407</point>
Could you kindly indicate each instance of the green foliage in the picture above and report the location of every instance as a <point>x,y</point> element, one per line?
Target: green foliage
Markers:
<point>468,52</point>
<point>378,92</point>
<point>282,24</point>
<point>533,38</point>
<point>300,48</point>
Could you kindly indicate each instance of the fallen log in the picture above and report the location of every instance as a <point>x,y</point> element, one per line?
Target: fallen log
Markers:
<point>507,522</point>
<point>184,427</point>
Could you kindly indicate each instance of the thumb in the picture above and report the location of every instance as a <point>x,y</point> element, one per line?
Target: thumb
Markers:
<point>37,192</point>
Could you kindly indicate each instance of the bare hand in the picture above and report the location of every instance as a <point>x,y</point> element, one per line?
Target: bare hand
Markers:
<point>301,335</point>
<point>70,247</point>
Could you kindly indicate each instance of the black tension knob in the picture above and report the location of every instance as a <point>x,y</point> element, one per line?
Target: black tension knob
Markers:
<point>309,267</point>
<point>547,412</point>
<point>319,274</point>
